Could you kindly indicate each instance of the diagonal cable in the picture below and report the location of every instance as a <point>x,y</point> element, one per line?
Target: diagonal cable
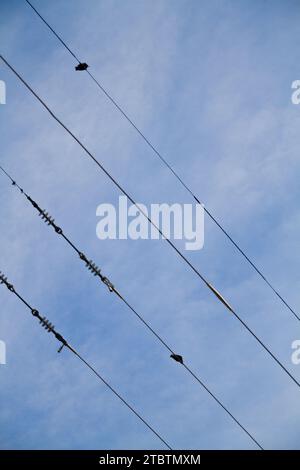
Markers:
<point>97,272</point>
<point>217,294</point>
<point>49,327</point>
<point>165,162</point>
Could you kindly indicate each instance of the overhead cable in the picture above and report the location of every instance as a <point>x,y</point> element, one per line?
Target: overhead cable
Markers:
<point>217,294</point>
<point>45,323</point>
<point>83,66</point>
<point>97,272</point>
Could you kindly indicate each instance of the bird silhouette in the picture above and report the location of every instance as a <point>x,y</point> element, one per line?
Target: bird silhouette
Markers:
<point>81,66</point>
<point>177,358</point>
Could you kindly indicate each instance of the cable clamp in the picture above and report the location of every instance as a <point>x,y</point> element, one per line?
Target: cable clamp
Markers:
<point>3,280</point>
<point>107,282</point>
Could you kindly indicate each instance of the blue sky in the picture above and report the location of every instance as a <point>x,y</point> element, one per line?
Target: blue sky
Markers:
<point>210,84</point>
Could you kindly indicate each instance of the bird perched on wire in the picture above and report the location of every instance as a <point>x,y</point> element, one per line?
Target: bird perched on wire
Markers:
<point>177,358</point>
<point>81,66</point>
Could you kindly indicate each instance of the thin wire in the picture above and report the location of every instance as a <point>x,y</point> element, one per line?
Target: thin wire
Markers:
<point>122,399</point>
<point>159,155</point>
<point>65,343</point>
<point>54,32</point>
<point>140,318</point>
<point>78,251</point>
<point>221,404</point>
<point>212,289</point>
<point>115,182</point>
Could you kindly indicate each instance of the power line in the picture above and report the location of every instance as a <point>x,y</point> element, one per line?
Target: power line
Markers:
<point>45,323</point>
<point>165,162</point>
<point>115,182</point>
<point>97,272</point>
<point>90,264</point>
<point>211,288</point>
